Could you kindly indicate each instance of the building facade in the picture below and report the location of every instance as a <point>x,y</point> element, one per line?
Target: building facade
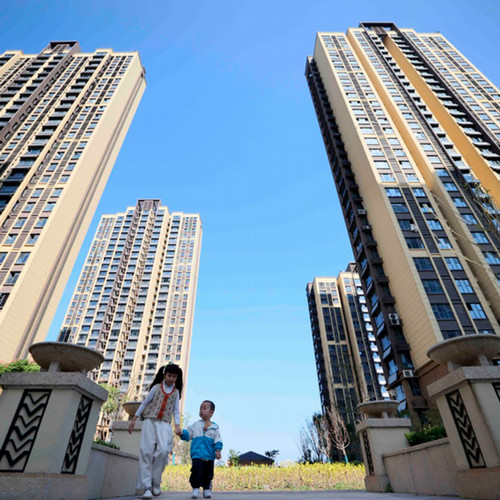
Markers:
<point>348,364</point>
<point>412,131</point>
<point>135,297</point>
<point>63,117</point>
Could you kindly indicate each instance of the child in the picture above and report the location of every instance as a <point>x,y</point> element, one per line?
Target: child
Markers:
<point>206,446</point>
<point>161,403</point>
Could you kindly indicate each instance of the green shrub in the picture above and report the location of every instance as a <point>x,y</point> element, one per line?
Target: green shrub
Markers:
<point>426,434</point>
<point>106,443</point>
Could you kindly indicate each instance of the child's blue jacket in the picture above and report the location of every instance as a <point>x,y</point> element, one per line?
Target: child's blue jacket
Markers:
<point>203,442</point>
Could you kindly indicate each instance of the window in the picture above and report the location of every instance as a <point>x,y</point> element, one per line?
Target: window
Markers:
<point>476,311</point>
<point>432,286</point>
<point>405,224</point>
<point>442,172</point>
<point>442,311</point>
<point>405,164</point>
<point>459,202</point>
<point>376,152</point>
<point>464,286</point>
<point>453,263</point>
<point>41,222</point>
<point>443,243</point>
<point>393,192</point>
<point>23,257</point>
<point>19,223</point>
<point>29,207</point>
<point>366,130</point>
<point>387,177</point>
<point>434,224</point>
<point>448,334</point>
<point>414,242</point>
<point>423,263</point>
<point>12,278</point>
<point>2,256</point>
<point>450,186</point>
<point>492,257</point>
<point>469,219</point>
<point>399,207</point>
<point>32,239</point>
<point>372,141</point>
<point>381,164</point>
<point>9,240</point>
<point>480,237</point>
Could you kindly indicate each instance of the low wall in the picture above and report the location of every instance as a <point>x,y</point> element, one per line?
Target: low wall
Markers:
<point>425,469</point>
<point>111,473</point>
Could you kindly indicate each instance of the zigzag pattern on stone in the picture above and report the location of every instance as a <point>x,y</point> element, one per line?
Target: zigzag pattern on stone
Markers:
<point>465,430</point>
<point>21,436</point>
<point>368,453</point>
<point>496,388</point>
<point>75,441</point>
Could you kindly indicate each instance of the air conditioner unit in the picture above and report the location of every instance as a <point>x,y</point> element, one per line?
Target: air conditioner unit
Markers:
<point>408,374</point>
<point>394,319</point>
<point>414,228</point>
<point>361,211</point>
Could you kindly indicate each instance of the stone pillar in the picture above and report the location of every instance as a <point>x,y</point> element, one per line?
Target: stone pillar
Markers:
<point>380,433</point>
<point>468,399</point>
<point>48,423</point>
<point>128,443</point>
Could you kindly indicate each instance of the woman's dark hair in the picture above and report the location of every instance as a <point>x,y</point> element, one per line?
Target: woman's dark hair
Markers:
<point>170,368</point>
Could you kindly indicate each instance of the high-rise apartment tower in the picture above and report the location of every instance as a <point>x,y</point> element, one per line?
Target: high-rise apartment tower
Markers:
<point>347,358</point>
<point>134,301</point>
<point>63,117</point>
<point>412,131</point>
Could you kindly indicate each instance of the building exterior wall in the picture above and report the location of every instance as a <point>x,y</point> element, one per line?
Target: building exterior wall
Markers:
<point>412,134</point>
<point>134,301</point>
<point>63,117</point>
<point>347,359</point>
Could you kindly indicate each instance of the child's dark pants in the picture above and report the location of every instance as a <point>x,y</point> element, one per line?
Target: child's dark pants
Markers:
<point>202,473</point>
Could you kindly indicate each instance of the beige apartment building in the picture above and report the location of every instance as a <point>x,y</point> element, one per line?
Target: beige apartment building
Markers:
<point>348,363</point>
<point>63,117</point>
<point>412,133</point>
<point>135,297</point>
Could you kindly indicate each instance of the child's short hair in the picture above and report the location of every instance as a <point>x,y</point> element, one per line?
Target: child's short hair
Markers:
<point>211,403</point>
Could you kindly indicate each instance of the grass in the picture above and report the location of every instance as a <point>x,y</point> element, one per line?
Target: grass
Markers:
<point>335,476</point>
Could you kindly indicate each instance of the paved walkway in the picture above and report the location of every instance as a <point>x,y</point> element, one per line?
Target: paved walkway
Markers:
<point>294,495</point>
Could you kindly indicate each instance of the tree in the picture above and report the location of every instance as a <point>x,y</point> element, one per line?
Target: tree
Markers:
<point>309,442</point>
<point>181,449</point>
<point>234,458</point>
<point>338,435</point>
<point>110,407</point>
<point>323,434</point>
<point>21,365</point>
<point>272,454</point>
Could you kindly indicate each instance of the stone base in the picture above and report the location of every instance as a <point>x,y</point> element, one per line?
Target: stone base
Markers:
<point>129,443</point>
<point>479,483</point>
<point>40,486</point>
<point>376,483</point>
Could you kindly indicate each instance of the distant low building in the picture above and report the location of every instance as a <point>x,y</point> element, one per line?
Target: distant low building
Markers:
<point>252,458</point>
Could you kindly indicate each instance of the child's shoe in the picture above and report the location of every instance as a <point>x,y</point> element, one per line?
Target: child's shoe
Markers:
<point>147,494</point>
<point>195,493</point>
<point>207,494</point>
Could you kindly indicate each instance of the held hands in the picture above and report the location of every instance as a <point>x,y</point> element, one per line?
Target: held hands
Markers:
<point>178,430</point>
<point>218,454</point>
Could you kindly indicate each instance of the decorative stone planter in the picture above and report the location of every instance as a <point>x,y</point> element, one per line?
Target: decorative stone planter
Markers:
<point>467,399</point>
<point>469,350</point>
<point>384,408</point>
<point>48,423</point>
<point>62,357</point>
<point>130,408</point>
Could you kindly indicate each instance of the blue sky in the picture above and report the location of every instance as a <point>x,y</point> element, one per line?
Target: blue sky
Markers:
<point>226,128</point>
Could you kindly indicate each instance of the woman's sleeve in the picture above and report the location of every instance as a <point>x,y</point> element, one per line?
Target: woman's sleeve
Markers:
<point>149,397</point>
<point>177,415</point>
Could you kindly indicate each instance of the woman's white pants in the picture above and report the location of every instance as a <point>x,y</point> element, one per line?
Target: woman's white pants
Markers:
<point>156,444</point>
